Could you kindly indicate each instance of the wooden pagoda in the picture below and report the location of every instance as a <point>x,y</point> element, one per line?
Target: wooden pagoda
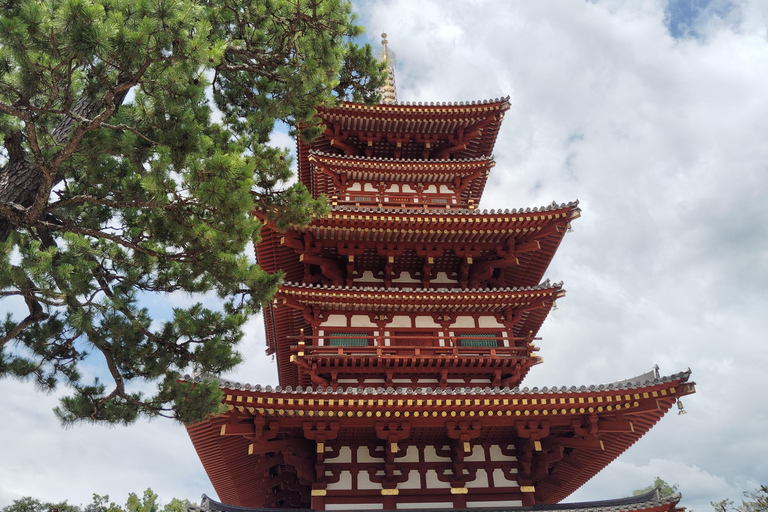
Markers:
<point>403,329</point>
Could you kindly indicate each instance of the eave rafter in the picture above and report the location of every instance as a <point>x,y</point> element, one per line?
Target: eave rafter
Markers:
<point>561,437</point>
<point>382,300</point>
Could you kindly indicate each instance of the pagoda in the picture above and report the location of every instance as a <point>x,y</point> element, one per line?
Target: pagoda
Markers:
<point>405,324</point>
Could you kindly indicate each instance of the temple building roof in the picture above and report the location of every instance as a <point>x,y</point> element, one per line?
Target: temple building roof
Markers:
<point>568,434</point>
<point>652,501</point>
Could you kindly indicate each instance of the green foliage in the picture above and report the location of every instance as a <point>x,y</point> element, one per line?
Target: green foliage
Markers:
<point>666,489</point>
<point>118,183</point>
<point>147,503</point>
<point>755,501</point>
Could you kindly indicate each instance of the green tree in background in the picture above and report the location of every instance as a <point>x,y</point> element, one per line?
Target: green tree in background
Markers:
<point>120,179</point>
<point>666,489</point>
<point>147,503</point>
<point>755,501</point>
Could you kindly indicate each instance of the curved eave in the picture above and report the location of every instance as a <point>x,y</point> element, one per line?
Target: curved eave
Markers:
<point>369,299</point>
<point>651,501</point>
<point>624,412</point>
<point>415,110</point>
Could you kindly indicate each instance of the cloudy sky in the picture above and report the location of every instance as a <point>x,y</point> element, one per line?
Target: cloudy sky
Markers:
<point>654,115</point>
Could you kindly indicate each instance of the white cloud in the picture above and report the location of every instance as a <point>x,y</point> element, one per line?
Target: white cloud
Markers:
<point>662,140</point>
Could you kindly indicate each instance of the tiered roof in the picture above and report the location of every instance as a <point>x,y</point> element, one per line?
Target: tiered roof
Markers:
<point>564,435</point>
<point>652,501</point>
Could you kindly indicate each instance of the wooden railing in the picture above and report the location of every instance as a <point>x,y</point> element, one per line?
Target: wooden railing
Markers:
<point>421,346</point>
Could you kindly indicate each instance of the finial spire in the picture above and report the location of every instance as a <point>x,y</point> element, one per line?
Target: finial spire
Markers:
<point>388,92</point>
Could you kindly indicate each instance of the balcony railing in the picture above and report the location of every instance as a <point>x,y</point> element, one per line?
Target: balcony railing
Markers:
<point>418,346</point>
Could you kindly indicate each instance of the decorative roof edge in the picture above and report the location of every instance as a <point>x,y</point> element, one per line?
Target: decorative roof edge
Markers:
<point>457,211</point>
<point>472,103</point>
<point>612,386</point>
<point>648,500</point>
<point>481,158</point>
<point>545,285</point>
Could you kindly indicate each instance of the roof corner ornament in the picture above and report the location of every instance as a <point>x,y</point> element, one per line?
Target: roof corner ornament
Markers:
<point>388,91</point>
<point>680,409</point>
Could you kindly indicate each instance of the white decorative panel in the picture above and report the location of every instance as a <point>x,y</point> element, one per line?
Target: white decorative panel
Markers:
<point>477,455</point>
<point>345,456</point>
<point>480,481</point>
<point>500,480</point>
<point>439,505</point>
<point>354,506</point>
<point>464,322</point>
<point>497,455</point>
<point>489,322</point>
<point>500,503</point>
<point>408,188</point>
<point>355,187</point>
<point>430,455</point>
<point>399,321</point>
<point>431,189</point>
<point>413,482</point>
<point>434,483</point>
<point>335,321</point>
<point>445,189</point>
<point>344,483</point>
<point>425,321</point>
<point>362,321</point>
<point>363,456</point>
<point>370,188</point>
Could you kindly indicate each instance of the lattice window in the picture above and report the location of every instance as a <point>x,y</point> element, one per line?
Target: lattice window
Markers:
<point>438,200</point>
<point>478,340</point>
<point>362,199</point>
<point>347,339</point>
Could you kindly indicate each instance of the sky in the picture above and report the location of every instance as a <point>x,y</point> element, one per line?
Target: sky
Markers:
<point>654,115</point>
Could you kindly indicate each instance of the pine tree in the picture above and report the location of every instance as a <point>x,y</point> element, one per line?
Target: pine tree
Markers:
<point>135,152</point>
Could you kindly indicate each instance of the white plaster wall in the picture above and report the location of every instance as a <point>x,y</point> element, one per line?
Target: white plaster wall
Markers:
<point>362,321</point>
<point>393,188</point>
<point>411,455</point>
<point>500,480</point>
<point>445,189</point>
<point>464,322</point>
<point>489,322</point>
<point>434,483</point>
<point>444,505</point>
<point>426,321</point>
<point>442,277</point>
<point>480,481</point>
<point>501,503</point>
<point>408,188</point>
<point>344,483</point>
<point>413,482</point>
<point>405,277</point>
<point>363,456</point>
<point>370,188</point>
<point>477,455</point>
<point>431,456</point>
<point>431,189</point>
<point>496,454</point>
<point>334,321</point>
<point>400,321</point>
<point>354,506</point>
<point>355,187</point>
<point>345,455</point>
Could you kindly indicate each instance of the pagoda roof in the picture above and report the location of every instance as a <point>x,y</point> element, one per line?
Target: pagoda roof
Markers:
<point>652,500</point>
<point>379,299</point>
<point>401,169</point>
<point>410,131</point>
<point>428,117</point>
<point>370,169</point>
<point>417,225</point>
<point>593,424</point>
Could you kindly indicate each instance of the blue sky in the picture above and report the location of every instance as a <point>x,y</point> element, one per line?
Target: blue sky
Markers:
<point>654,116</point>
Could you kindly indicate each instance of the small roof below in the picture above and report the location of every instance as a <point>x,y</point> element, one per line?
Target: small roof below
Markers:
<point>652,500</point>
